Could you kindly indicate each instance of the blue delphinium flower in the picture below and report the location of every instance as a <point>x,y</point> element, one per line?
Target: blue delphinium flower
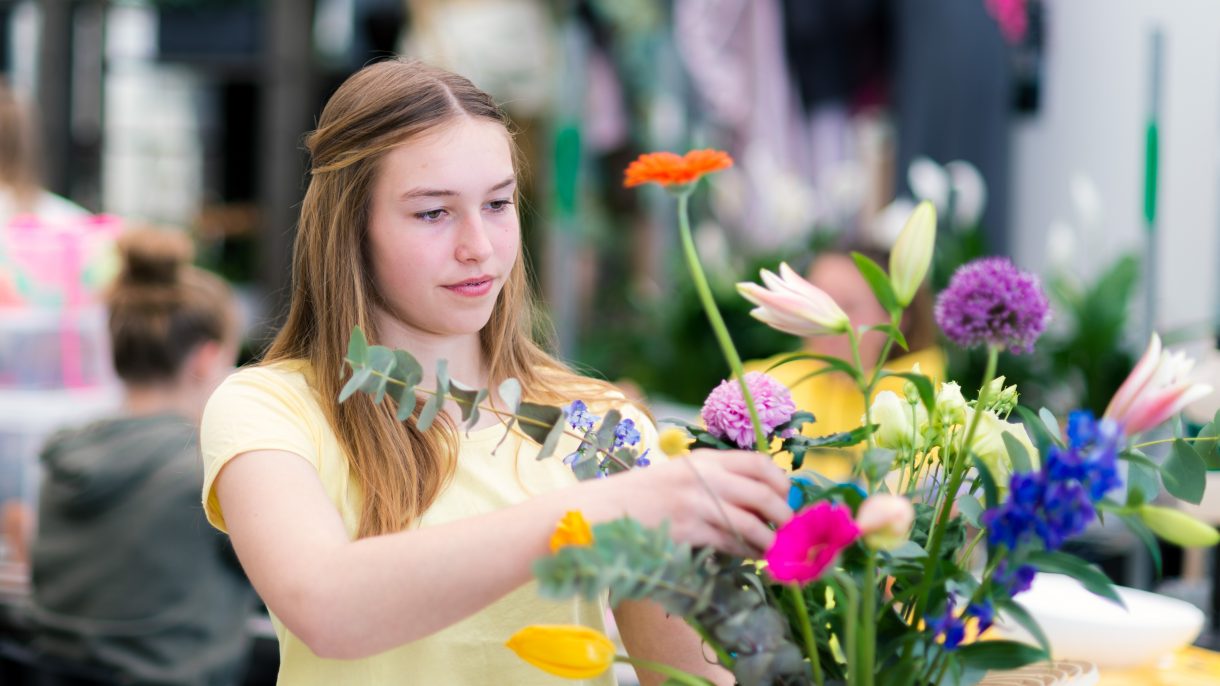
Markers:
<point>947,626</point>
<point>984,612</point>
<point>642,460</point>
<point>579,417</point>
<point>1014,580</point>
<point>625,434</point>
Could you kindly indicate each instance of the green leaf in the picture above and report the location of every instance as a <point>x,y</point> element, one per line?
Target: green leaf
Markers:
<point>877,280</point>
<point>468,400</point>
<point>1209,450</point>
<point>585,466</point>
<point>1017,453</point>
<point>542,419</point>
<point>604,436</point>
<point>357,348</point>
<point>889,330</point>
<point>908,551</point>
<point>1021,616</point>
<point>1137,457</point>
<point>510,394</point>
<point>999,655</point>
<point>1143,482</point>
<point>991,494</point>
<point>359,376</point>
<point>922,384</point>
<point>1041,435</point>
<point>1184,473</point>
<point>1136,526</point>
<point>405,397</point>
<point>381,361</point>
<point>830,360</point>
<point>428,414</point>
<point>407,369</point>
<point>877,463</point>
<point>1089,575</point>
<point>971,509</point>
<point>1052,424</point>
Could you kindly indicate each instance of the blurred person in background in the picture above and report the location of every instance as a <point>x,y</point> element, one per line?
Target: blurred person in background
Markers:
<point>127,577</point>
<point>21,190</point>
<point>833,398</point>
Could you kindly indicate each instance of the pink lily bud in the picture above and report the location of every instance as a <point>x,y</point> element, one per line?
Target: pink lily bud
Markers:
<point>791,304</point>
<point>1158,388</point>
<point>885,521</point>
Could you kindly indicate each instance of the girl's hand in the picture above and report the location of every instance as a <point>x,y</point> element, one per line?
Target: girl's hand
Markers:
<point>725,499</point>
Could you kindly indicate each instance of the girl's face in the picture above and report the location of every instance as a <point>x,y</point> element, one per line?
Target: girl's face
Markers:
<point>443,231</point>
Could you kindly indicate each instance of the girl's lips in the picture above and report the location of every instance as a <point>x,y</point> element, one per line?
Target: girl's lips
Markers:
<point>473,288</point>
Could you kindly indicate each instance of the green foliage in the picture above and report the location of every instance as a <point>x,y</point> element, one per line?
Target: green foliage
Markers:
<point>722,595</point>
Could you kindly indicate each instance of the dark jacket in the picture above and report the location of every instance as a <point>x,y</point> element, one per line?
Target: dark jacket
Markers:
<point>127,574</point>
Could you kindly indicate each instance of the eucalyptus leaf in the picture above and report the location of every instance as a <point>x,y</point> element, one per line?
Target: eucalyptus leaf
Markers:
<point>552,439</point>
<point>971,509</point>
<point>357,347</point>
<point>405,397</point>
<point>1052,425</point>
<point>407,369</point>
<point>1184,473</point>
<point>604,436</point>
<point>1143,482</point>
<point>359,376</point>
<point>510,394</point>
<point>381,361</point>
<point>537,421</point>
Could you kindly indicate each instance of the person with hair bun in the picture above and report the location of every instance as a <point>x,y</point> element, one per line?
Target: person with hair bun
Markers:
<point>127,578</point>
<point>389,555</point>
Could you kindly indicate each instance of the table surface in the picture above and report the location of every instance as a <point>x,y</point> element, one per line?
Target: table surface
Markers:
<point>1187,667</point>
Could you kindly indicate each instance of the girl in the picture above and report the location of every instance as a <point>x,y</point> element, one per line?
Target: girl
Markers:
<point>391,556</point>
<point>127,578</point>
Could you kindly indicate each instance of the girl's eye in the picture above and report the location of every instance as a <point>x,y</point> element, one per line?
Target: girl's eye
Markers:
<point>430,215</point>
<point>499,205</point>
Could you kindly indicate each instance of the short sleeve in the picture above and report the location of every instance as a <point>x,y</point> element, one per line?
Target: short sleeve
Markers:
<point>254,409</point>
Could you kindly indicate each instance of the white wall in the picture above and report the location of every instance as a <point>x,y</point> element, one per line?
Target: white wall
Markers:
<point>1094,104</point>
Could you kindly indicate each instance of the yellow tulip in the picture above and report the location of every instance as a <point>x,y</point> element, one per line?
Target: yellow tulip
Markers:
<point>912,253</point>
<point>570,651</point>
<point>675,442</point>
<point>571,530</point>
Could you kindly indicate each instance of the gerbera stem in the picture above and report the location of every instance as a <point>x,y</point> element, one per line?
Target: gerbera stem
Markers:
<point>713,316</point>
<point>868,628</point>
<point>811,646</point>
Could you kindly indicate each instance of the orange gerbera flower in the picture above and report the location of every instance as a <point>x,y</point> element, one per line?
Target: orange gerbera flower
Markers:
<point>670,169</point>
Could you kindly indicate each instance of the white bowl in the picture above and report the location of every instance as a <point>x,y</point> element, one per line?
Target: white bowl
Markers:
<point>1082,626</point>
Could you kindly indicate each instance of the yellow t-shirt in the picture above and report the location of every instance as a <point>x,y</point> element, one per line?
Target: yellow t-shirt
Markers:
<point>274,407</point>
<point>836,403</point>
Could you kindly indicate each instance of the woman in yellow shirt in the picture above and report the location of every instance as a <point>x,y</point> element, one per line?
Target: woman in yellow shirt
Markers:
<point>833,398</point>
<point>388,555</point>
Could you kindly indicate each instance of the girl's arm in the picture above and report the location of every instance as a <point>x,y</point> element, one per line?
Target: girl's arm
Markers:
<point>351,599</point>
<point>651,634</point>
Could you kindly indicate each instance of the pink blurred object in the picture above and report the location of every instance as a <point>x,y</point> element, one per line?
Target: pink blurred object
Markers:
<point>51,260</point>
<point>1158,388</point>
<point>1012,17</point>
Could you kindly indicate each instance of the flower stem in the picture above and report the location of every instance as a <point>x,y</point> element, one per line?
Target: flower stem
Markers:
<point>811,646</point>
<point>726,660</point>
<point>673,673</point>
<point>852,602</point>
<point>713,316</point>
<point>956,474</point>
<point>1196,439</point>
<point>868,629</point>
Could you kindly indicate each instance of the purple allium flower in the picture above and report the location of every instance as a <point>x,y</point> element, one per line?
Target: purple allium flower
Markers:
<point>990,301</point>
<point>726,416</point>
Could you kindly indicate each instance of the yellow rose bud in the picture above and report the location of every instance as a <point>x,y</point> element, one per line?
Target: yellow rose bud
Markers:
<point>912,253</point>
<point>570,651</point>
<point>571,530</point>
<point>675,442</point>
<point>1178,527</point>
<point>989,445</point>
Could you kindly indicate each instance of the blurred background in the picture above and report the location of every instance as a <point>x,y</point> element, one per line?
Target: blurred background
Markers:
<point>1079,137</point>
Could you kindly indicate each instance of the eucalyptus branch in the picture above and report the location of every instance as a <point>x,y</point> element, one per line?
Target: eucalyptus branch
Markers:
<point>1196,439</point>
<point>521,419</point>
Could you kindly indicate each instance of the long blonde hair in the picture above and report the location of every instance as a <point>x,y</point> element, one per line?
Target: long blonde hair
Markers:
<point>400,470</point>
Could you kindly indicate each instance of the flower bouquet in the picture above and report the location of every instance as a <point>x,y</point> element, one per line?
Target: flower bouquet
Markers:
<point>895,576</point>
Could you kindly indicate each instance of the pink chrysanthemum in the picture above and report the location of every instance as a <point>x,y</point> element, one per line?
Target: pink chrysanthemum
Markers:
<point>726,416</point>
<point>809,543</point>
